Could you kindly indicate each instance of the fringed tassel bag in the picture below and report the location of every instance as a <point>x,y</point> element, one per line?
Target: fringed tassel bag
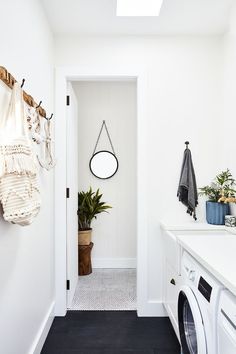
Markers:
<point>19,190</point>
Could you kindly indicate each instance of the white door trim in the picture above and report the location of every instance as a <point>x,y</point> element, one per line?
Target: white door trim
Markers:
<point>72,202</point>
<point>63,75</point>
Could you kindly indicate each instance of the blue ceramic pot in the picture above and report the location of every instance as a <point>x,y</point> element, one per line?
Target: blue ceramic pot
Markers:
<point>215,212</point>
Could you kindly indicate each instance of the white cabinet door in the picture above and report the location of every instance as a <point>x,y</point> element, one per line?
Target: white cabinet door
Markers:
<point>171,284</point>
<point>171,292</point>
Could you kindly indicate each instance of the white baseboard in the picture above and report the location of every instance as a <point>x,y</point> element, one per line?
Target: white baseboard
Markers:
<point>43,331</point>
<point>114,262</point>
<point>152,308</point>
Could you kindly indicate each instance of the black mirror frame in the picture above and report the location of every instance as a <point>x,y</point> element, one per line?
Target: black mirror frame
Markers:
<point>99,153</point>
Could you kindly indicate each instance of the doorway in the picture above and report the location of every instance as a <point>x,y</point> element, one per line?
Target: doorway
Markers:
<point>112,283</point>
<point>63,76</point>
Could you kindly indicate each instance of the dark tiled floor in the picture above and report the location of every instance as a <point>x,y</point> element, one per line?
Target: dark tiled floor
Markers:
<point>110,332</point>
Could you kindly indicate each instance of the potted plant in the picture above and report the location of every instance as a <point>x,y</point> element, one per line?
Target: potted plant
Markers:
<point>220,193</point>
<point>89,206</point>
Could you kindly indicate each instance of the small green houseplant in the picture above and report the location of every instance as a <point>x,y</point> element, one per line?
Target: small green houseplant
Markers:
<point>220,193</point>
<point>89,206</point>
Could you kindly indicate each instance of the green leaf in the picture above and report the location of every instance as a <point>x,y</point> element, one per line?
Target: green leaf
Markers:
<point>89,206</point>
<point>222,186</point>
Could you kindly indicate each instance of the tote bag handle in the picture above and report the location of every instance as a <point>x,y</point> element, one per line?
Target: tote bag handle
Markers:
<point>14,123</point>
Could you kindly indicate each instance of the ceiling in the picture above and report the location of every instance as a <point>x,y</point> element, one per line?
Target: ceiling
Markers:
<point>98,17</point>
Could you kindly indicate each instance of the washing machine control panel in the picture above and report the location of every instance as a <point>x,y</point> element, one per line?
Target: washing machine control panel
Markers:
<point>205,288</point>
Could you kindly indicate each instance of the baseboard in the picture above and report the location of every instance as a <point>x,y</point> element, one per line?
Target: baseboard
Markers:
<point>114,262</point>
<point>43,331</point>
<point>152,308</point>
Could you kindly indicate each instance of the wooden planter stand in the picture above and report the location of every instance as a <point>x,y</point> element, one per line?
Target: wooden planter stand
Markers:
<point>85,265</point>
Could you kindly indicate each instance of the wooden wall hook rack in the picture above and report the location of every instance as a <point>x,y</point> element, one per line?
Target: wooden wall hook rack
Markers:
<point>9,80</point>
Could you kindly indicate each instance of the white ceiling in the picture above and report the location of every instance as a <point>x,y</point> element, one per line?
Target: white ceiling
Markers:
<point>98,17</point>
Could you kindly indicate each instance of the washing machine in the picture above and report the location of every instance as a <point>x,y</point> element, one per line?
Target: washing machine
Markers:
<point>198,303</point>
<point>226,323</point>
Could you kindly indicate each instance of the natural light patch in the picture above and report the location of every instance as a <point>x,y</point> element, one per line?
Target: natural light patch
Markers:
<point>138,7</point>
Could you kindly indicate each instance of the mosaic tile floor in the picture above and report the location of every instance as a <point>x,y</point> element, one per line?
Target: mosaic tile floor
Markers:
<point>106,290</point>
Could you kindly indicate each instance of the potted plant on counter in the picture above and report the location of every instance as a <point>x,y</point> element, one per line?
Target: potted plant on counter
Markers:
<point>220,193</point>
<point>89,206</point>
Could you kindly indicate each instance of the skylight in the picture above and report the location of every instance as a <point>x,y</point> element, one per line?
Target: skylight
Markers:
<point>138,7</point>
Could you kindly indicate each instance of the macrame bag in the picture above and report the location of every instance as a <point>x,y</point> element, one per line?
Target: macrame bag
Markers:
<point>19,190</point>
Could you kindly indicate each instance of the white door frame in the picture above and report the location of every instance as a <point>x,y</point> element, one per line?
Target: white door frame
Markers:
<point>63,75</point>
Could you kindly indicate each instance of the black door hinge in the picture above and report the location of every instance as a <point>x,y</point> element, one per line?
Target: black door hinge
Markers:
<point>67,285</point>
<point>67,192</point>
<point>67,100</point>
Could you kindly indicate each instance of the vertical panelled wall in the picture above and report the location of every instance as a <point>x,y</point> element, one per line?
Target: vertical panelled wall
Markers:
<point>114,233</point>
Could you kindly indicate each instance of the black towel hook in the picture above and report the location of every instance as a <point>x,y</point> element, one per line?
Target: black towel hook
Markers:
<point>22,84</point>
<point>49,117</point>
<point>39,105</point>
<point>187,144</point>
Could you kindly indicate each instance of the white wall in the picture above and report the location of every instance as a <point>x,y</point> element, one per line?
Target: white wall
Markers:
<point>228,122</point>
<point>26,253</point>
<point>114,234</point>
<point>184,101</point>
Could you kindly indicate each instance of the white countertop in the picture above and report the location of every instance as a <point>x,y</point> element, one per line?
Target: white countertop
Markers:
<point>216,251</point>
<point>195,225</point>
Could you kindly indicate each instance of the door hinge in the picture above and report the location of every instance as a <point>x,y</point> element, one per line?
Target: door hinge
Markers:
<point>67,100</point>
<point>68,284</point>
<point>67,192</point>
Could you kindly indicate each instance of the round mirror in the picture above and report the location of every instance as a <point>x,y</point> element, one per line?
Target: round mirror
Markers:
<point>103,164</point>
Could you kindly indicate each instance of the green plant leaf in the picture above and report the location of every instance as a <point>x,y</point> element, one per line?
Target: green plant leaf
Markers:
<point>222,186</point>
<point>89,206</point>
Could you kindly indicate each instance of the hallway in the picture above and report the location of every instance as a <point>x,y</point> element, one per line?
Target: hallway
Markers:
<point>89,332</point>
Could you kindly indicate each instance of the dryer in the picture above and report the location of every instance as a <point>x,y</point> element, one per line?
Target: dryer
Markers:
<point>198,302</point>
<point>226,324</point>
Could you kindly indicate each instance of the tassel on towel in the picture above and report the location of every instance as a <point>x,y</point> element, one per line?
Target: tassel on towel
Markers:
<point>187,190</point>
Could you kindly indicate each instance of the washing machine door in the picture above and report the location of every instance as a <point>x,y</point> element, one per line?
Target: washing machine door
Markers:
<point>191,326</point>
